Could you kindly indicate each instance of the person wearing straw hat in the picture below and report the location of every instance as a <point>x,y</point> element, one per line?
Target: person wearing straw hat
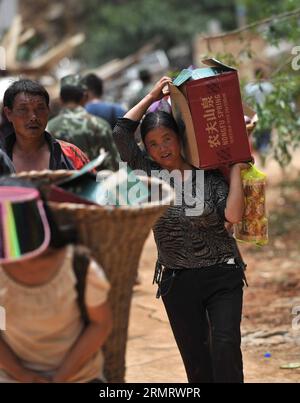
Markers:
<point>199,271</point>
<point>46,337</point>
<point>29,146</point>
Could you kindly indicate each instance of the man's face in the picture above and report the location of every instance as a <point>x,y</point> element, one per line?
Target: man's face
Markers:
<point>29,115</point>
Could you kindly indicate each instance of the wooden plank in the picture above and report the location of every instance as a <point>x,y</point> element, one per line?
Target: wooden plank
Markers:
<point>54,55</point>
<point>13,42</point>
<point>26,35</point>
<point>116,66</point>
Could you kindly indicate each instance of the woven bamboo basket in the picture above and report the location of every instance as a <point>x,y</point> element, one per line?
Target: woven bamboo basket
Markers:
<point>116,237</point>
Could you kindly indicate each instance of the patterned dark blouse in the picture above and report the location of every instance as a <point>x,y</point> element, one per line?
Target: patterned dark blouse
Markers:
<point>184,241</point>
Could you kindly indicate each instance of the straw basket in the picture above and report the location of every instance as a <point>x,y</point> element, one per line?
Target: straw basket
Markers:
<point>116,237</point>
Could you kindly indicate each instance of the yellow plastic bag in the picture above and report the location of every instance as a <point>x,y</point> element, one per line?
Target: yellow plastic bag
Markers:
<point>254,225</point>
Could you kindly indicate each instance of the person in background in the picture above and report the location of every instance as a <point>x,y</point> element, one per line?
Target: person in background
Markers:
<point>198,271</point>
<point>258,92</point>
<point>48,335</point>
<point>75,125</point>
<point>29,146</point>
<point>146,81</point>
<point>96,106</point>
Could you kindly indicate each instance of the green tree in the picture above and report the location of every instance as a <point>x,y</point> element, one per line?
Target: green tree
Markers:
<point>282,106</point>
<point>118,28</point>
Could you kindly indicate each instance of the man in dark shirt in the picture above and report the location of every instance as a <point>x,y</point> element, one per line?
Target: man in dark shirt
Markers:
<point>29,146</point>
<point>6,166</point>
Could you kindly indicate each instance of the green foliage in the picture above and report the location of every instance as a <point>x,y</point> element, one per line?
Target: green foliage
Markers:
<point>278,28</point>
<point>281,111</point>
<point>118,28</point>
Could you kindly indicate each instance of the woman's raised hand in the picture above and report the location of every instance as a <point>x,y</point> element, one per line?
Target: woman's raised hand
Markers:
<point>136,113</point>
<point>157,91</point>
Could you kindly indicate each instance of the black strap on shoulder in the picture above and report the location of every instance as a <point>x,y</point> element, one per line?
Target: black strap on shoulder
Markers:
<point>81,260</point>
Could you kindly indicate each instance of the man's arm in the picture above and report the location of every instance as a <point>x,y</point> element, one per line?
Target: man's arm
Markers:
<point>235,201</point>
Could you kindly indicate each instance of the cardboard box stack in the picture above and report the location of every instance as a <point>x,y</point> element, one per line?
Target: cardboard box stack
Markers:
<point>208,100</point>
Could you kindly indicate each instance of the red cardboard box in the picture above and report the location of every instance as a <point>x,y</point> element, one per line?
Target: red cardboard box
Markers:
<point>211,108</point>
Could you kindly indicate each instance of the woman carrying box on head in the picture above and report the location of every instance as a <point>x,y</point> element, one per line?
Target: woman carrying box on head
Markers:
<point>199,274</point>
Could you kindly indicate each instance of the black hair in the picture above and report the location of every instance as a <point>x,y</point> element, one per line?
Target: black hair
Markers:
<point>6,165</point>
<point>145,76</point>
<point>94,84</point>
<point>157,119</point>
<point>70,93</point>
<point>60,235</point>
<point>26,86</point>
<point>6,126</point>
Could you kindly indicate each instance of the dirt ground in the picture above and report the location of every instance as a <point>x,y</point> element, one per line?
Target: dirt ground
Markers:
<point>271,302</point>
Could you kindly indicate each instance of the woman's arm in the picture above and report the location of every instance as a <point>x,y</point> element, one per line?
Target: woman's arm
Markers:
<point>235,201</point>
<point>88,343</point>
<point>137,112</point>
<point>12,365</point>
<point>125,128</point>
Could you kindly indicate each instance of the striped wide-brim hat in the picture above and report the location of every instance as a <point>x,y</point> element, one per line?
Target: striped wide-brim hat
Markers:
<point>24,228</point>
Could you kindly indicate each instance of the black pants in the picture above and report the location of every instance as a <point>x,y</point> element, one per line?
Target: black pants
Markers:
<point>204,307</point>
